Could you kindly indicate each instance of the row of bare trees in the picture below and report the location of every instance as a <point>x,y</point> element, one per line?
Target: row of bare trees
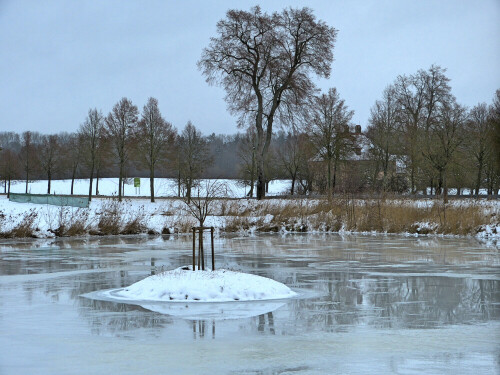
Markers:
<point>121,138</point>
<point>418,135</point>
<point>266,64</point>
<point>419,124</point>
<point>327,154</point>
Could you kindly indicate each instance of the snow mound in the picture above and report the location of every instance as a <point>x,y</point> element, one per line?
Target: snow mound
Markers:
<point>184,285</point>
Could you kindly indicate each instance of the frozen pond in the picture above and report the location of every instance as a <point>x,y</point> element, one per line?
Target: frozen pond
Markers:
<point>367,304</point>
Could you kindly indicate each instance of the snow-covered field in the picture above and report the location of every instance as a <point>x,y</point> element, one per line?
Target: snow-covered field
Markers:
<point>164,187</point>
<point>466,216</point>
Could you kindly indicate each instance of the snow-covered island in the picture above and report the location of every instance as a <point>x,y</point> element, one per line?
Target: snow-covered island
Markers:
<point>184,285</point>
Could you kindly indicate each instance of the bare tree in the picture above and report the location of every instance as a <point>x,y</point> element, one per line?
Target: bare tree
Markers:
<point>9,168</point>
<point>200,203</point>
<point>328,128</point>
<point>194,159</point>
<point>48,152</point>
<point>382,132</point>
<point>290,158</point>
<point>246,153</point>
<point>420,98</point>
<point>478,132</point>
<point>91,132</point>
<point>410,96</point>
<point>153,135</point>
<point>74,153</point>
<point>445,135</point>
<point>27,155</point>
<point>493,161</point>
<point>265,63</point>
<point>119,128</point>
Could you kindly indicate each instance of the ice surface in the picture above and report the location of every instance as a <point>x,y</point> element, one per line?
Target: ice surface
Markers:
<point>381,305</point>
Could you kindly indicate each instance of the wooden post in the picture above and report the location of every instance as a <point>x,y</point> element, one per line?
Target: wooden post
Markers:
<point>194,249</point>
<point>199,255</point>
<point>213,254</point>
<point>201,249</point>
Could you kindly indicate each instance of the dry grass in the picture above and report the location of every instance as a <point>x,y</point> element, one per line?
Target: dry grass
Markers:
<point>381,215</point>
<point>72,222</point>
<point>184,224</point>
<point>110,218</point>
<point>25,228</point>
<point>135,223</point>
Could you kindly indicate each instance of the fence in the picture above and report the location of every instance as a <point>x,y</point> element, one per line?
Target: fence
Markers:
<point>56,200</point>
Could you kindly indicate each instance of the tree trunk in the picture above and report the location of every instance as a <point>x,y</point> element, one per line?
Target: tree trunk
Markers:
<point>478,179</point>
<point>8,190</point>
<point>252,174</point>
<point>27,177</point>
<point>334,182</point>
<point>293,185</point>
<point>90,181</point>
<point>329,178</point>
<point>439,188</point>
<point>120,178</point>
<point>261,183</point>
<point>152,183</point>
<point>188,191</point>
<point>72,181</point>
<point>97,183</point>
<point>445,188</point>
<point>179,184</point>
<point>48,182</point>
<point>250,192</point>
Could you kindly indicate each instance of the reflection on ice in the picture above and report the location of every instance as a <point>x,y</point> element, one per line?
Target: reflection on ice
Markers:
<point>214,311</point>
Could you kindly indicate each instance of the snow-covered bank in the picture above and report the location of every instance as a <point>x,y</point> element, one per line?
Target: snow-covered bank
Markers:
<point>184,285</point>
<point>106,216</point>
<point>164,187</point>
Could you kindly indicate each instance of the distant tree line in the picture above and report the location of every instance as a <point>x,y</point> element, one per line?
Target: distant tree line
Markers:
<point>410,145</point>
<point>418,136</point>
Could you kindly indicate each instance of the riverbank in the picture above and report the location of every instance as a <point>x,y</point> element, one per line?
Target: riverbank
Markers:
<point>465,217</point>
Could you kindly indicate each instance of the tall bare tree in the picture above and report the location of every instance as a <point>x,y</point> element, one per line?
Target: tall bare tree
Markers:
<point>477,142</point>
<point>265,63</point>
<point>27,155</point>
<point>246,153</point>
<point>74,154</point>
<point>420,98</point>
<point>91,132</point>
<point>493,162</point>
<point>10,167</point>
<point>494,118</point>
<point>153,136</point>
<point>194,157</point>
<point>48,152</point>
<point>382,132</point>
<point>291,158</point>
<point>328,128</point>
<point>445,135</point>
<point>120,125</point>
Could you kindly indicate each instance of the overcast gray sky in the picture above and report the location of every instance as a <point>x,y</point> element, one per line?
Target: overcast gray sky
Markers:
<point>59,58</point>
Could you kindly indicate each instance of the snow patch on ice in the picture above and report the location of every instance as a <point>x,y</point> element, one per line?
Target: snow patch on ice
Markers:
<point>184,285</point>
